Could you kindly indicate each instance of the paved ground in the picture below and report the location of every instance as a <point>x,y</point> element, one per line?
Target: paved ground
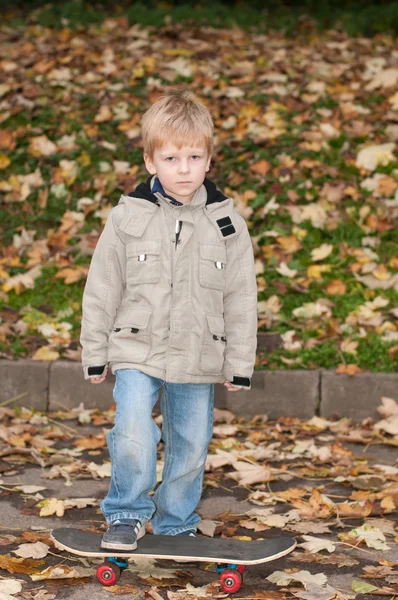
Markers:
<point>282,448</point>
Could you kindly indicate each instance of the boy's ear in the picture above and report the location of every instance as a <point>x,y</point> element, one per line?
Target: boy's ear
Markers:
<point>208,163</point>
<point>149,164</point>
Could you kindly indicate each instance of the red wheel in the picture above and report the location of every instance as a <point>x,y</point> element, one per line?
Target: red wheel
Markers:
<point>231,580</point>
<point>108,573</point>
<point>241,569</point>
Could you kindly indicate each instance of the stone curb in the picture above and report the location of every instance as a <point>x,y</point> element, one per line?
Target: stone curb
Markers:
<point>50,386</point>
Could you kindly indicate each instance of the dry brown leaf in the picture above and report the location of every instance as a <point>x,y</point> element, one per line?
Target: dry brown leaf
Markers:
<point>350,369</point>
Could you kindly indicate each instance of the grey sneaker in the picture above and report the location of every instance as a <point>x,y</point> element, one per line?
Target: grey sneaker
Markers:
<point>123,535</point>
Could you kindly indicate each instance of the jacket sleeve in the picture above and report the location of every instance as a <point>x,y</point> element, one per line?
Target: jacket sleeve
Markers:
<point>101,297</point>
<point>240,310</point>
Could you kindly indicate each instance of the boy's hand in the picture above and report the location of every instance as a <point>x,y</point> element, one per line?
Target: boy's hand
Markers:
<point>230,387</point>
<point>99,379</point>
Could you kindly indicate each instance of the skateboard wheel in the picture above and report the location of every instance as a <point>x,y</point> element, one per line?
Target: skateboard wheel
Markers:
<point>108,573</point>
<point>231,580</point>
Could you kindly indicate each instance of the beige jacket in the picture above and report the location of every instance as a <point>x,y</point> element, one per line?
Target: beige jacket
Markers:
<point>185,312</point>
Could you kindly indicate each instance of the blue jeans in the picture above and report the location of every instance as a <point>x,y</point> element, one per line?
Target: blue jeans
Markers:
<point>187,410</point>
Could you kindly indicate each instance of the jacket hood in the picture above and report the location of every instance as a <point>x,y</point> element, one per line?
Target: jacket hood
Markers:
<point>143,190</point>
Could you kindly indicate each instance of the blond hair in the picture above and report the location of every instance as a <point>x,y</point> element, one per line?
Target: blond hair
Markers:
<point>178,118</point>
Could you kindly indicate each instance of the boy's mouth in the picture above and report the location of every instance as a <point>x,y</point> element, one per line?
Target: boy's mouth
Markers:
<point>183,182</point>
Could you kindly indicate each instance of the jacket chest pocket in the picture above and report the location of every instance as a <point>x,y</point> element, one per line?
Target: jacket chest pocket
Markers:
<point>143,262</point>
<point>129,339</point>
<point>214,345</point>
<point>212,265</point>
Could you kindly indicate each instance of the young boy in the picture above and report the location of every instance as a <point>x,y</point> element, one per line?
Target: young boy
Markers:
<point>170,300</point>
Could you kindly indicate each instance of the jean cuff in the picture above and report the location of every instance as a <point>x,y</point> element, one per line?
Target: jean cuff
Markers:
<point>126,515</point>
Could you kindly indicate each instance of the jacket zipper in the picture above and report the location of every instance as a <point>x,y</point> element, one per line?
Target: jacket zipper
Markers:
<point>178,228</point>
<point>177,231</point>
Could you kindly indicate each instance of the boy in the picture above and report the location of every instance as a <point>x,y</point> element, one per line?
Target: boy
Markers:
<point>170,300</point>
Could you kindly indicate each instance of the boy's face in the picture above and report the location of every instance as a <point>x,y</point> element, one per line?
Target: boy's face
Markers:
<point>181,171</point>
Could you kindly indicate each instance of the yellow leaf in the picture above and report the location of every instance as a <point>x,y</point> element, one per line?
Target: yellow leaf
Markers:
<point>178,52</point>
<point>137,73</point>
<point>84,159</point>
<point>51,506</point>
<point>4,161</point>
<point>315,271</point>
<point>45,353</point>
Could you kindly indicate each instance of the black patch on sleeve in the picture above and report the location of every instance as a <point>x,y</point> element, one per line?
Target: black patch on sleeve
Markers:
<point>225,224</point>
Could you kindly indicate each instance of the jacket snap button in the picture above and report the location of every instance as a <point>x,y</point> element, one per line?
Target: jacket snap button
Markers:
<point>117,329</point>
<point>223,339</point>
<point>133,330</point>
<point>215,337</point>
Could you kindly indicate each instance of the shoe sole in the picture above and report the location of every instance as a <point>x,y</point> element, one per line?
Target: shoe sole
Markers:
<point>128,547</point>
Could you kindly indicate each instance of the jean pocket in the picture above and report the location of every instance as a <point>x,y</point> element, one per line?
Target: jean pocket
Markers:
<point>143,261</point>
<point>130,338</point>
<point>214,345</point>
<point>212,265</point>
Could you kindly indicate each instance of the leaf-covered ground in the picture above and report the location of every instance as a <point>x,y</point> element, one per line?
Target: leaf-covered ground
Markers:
<point>306,144</point>
<point>333,485</point>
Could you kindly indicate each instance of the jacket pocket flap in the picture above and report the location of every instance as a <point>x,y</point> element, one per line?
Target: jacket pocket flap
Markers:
<point>216,325</point>
<point>143,247</point>
<point>135,317</point>
<point>213,252</point>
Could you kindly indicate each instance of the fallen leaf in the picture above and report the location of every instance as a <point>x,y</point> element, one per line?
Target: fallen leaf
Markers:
<point>350,369</point>
<point>35,550</point>
<point>316,592</point>
<point>313,544</point>
<point>147,568</point>
<point>361,587</point>
<point>304,577</point>
<point>62,572</point>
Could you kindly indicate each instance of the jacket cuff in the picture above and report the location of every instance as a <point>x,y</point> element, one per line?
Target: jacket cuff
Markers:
<point>94,371</point>
<point>243,382</point>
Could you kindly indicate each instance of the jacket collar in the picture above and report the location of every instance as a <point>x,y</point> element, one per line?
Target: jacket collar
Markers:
<point>144,190</point>
<point>142,203</point>
<point>157,187</point>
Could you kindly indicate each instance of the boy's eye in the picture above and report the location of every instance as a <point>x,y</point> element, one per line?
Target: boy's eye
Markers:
<point>195,156</point>
<point>170,158</point>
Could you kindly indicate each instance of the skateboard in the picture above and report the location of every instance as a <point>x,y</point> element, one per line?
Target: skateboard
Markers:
<point>230,555</point>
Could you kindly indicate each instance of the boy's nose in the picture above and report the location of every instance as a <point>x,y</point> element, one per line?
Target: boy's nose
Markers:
<point>184,167</point>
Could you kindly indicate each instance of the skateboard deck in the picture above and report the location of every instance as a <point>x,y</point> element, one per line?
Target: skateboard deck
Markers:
<point>87,543</point>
